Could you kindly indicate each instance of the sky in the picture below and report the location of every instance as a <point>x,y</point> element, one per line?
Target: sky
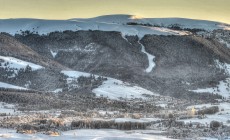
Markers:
<point>215,10</point>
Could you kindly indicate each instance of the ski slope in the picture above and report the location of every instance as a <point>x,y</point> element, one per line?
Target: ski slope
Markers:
<point>150,58</point>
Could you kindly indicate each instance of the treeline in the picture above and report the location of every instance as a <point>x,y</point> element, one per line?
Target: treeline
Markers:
<point>33,101</point>
<point>84,82</point>
<point>111,124</point>
<point>172,26</point>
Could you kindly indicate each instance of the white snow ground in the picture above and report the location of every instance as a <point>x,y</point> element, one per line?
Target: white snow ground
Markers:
<point>5,85</point>
<point>16,64</point>
<point>75,74</point>
<point>7,108</point>
<point>84,134</point>
<point>113,88</point>
<point>150,58</point>
<point>107,23</point>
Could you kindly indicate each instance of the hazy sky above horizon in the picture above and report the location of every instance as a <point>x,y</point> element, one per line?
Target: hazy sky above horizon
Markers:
<point>215,10</point>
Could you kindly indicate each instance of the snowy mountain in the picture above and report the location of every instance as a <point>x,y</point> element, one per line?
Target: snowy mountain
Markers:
<point>165,22</point>
<point>114,72</point>
<point>118,23</point>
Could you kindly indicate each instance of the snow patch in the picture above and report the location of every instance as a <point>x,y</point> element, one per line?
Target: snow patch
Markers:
<point>223,88</point>
<point>224,42</point>
<point>53,53</point>
<point>17,63</point>
<point>9,86</point>
<point>113,88</point>
<point>223,66</point>
<point>75,74</point>
<point>57,90</point>
<point>116,89</point>
<point>7,108</point>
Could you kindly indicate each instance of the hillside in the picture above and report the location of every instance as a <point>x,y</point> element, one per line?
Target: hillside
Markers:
<point>168,76</point>
<point>170,56</point>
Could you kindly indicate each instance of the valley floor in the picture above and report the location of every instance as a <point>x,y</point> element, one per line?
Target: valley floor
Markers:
<point>85,134</point>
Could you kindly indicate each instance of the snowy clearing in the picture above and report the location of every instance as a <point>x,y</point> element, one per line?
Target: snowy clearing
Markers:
<point>113,88</point>
<point>83,134</point>
<point>7,108</point>
<point>75,74</point>
<point>5,85</point>
<point>16,64</point>
<point>150,58</point>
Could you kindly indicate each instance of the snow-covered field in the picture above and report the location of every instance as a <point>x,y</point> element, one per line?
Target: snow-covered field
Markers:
<point>17,63</point>
<point>113,88</point>
<point>5,85</point>
<point>7,108</point>
<point>75,74</point>
<point>84,134</point>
